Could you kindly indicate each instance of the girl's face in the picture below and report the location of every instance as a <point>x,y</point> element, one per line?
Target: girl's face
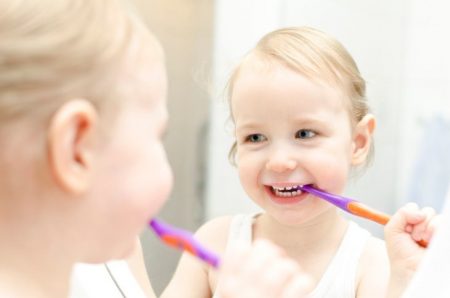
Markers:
<point>134,178</point>
<point>290,131</point>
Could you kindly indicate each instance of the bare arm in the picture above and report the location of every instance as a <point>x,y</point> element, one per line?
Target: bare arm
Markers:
<point>191,279</point>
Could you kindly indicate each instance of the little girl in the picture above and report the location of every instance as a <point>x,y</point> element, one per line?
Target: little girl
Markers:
<point>82,113</point>
<point>301,117</point>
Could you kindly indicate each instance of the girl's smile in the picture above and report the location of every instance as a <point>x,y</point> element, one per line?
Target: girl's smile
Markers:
<point>285,195</point>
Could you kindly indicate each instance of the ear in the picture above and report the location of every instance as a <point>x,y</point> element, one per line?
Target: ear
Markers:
<point>70,143</point>
<point>362,139</point>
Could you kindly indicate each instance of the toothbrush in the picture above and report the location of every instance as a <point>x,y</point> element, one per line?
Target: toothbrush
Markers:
<point>349,205</point>
<point>353,207</point>
<point>183,240</point>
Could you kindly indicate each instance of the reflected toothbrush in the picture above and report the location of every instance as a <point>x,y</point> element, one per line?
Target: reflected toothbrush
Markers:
<point>183,240</point>
<point>353,207</point>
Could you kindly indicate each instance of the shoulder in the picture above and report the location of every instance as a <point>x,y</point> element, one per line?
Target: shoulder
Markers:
<point>373,269</point>
<point>193,278</point>
<point>214,233</point>
<point>373,249</point>
<point>374,252</point>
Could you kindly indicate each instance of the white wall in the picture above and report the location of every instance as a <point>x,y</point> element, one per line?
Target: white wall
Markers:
<point>393,44</point>
<point>427,95</point>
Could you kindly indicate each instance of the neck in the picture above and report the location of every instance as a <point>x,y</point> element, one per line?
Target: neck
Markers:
<point>321,233</point>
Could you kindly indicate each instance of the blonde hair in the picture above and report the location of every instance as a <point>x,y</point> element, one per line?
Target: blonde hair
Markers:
<point>52,51</point>
<point>314,54</point>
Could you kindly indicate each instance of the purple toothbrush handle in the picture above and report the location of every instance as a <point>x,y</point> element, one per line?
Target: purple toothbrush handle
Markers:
<point>184,240</point>
<point>338,201</point>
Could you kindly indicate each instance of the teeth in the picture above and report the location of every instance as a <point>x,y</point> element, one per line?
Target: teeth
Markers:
<point>287,188</point>
<point>285,193</point>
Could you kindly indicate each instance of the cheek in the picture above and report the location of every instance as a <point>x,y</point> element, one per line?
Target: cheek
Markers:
<point>161,181</point>
<point>249,167</point>
<point>155,179</point>
<point>330,169</point>
<point>140,181</point>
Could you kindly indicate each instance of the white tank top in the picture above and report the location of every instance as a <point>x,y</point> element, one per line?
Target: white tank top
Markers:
<point>113,280</point>
<point>339,279</point>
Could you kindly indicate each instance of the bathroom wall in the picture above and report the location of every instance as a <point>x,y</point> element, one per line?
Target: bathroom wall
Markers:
<point>424,165</point>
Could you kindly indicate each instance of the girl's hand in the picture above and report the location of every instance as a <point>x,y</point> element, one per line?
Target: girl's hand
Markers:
<point>262,270</point>
<point>406,227</point>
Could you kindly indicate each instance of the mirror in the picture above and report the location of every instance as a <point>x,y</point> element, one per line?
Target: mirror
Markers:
<point>401,49</point>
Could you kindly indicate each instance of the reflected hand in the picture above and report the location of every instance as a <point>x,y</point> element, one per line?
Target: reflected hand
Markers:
<point>262,270</point>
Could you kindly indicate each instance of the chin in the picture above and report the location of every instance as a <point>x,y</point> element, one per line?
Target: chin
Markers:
<point>297,217</point>
<point>125,250</point>
<point>293,220</point>
<point>114,251</point>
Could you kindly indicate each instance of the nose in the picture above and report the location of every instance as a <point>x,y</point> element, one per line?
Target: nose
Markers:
<point>281,161</point>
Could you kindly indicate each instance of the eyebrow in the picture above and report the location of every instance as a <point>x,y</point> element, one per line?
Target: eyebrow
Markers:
<point>302,120</point>
<point>310,120</point>
<point>248,125</point>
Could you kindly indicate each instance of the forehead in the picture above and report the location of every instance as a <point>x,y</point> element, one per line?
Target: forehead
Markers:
<point>273,84</point>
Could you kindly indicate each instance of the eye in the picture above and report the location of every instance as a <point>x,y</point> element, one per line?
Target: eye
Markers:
<point>255,138</point>
<point>305,134</point>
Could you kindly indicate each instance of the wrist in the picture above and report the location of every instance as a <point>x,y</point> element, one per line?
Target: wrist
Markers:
<point>398,281</point>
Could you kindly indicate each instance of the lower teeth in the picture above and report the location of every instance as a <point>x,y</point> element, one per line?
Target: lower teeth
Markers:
<point>287,194</point>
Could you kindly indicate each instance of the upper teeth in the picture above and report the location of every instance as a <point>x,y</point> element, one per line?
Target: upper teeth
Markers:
<point>287,188</point>
<point>288,191</point>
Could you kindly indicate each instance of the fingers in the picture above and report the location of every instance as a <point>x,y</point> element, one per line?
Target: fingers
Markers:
<point>404,219</point>
<point>244,267</point>
<point>262,270</point>
<point>433,226</point>
<point>426,229</point>
<point>299,286</point>
<point>230,270</point>
<point>278,276</point>
<point>419,223</point>
<point>418,230</point>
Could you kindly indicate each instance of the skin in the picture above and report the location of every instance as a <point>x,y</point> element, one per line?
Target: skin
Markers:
<point>285,138</point>
<point>137,266</point>
<point>245,273</point>
<point>291,130</point>
<point>89,193</point>
<point>407,226</point>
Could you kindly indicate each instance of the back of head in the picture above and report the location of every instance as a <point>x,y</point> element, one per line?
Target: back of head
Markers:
<point>52,51</point>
